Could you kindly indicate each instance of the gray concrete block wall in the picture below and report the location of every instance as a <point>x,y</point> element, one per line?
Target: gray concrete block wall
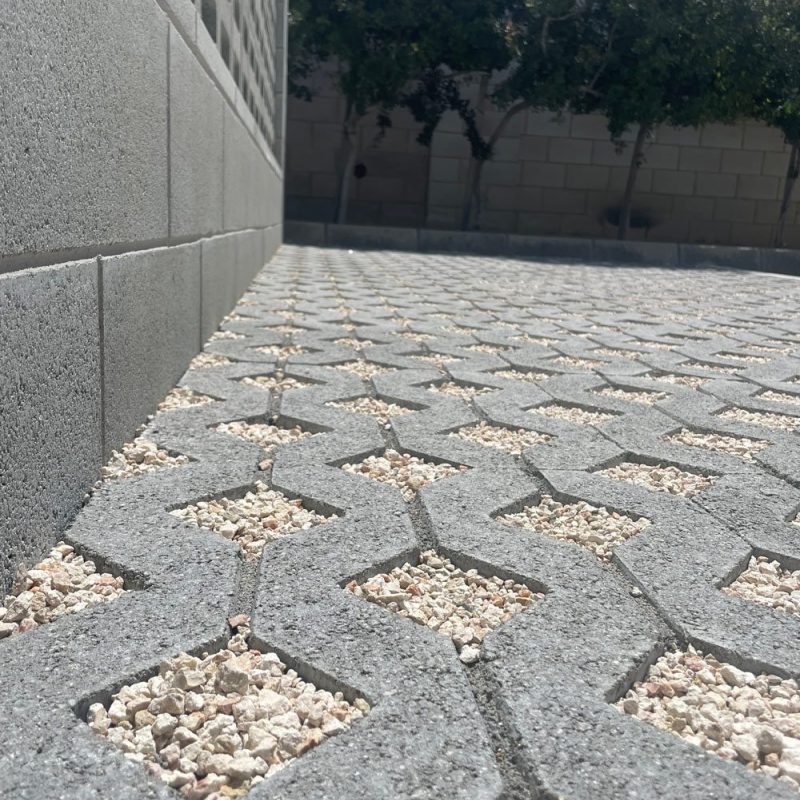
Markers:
<point>140,195</point>
<point>551,176</point>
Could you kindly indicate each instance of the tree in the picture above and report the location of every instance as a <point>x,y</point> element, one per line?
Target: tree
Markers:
<point>391,54</point>
<point>778,98</point>
<point>678,63</point>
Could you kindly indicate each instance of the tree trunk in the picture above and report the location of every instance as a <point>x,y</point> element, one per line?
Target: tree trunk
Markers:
<point>633,172</point>
<point>348,155</point>
<point>792,172</point>
<point>474,167</point>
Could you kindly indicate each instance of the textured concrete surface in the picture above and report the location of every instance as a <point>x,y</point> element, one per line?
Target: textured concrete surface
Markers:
<point>533,718</point>
<point>50,438</point>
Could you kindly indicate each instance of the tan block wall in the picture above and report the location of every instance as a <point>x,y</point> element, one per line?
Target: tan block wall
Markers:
<point>553,176</point>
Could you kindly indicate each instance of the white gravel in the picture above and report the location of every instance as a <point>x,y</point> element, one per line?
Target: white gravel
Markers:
<point>208,360</point>
<point>780,397</point>
<point>364,369</point>
<point>457,390</point>
<point>356,344</point>
<point>281,351</point>
<point>594,527</point>
<point>372,407</point>
<point>581,363</point>
<point>179,398</point>
<point>492,349</point>
<point>765,419</point>
<point>505,439</point>
<point>62,583</point>
<point>692,381</point>
<point>752,719</point>
<point>218,725</point>
<point>462,605</point>
<point>711,367</point>
<point>405,472</point>
<point>253,521</point>
<point>524,338</point>
<point>138,458</point>
<point>270,437</point>
<point>437,360</point>
<point>748,359</point>
<point>276,382</point>
<point>517,375</point>
<point>218,336</point>
<point>629,396</point>
<point>659,478</point>
<point>767,583</point>
<point>739,446</point>
<point>577,416</point>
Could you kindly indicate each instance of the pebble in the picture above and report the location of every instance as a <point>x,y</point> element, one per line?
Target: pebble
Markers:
<point>437,360</point>
<point>487,348</point>
<point>739,446</point>
<point>462,605</point>
<point>138,458</point>
<point>752,719</point>
<point>711,367</point>
<point>764,418</point>
<point>596,528</point>
<point>659,478</point>
<point>457,390</point>
<point>276,382</point>
<point>281,351</point>
<point>207,360</point>
<point>765,582</point>
<point>577,416</point>
<point>643,398</point>
<point>780,397</point>
<point>407,473</point>
<point>270,437</point>
<point>364,369</point>
<point>372,407</point>
<point>516,375</point>
<point>357,344</point>
<point>62,583</point>
<point>261,516</point>
<point>219,336</point>
<point>692,381</point>
<point>256,716</point>
<point>509,441</point>
<point>180,397</point>
<point>581,363</point>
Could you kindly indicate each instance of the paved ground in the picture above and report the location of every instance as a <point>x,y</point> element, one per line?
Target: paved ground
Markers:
<point>531,349</point>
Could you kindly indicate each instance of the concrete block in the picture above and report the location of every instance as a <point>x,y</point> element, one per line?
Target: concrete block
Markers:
<point>700,159</point>
<point>299,232</point>
<point>567,201</point>
<point>571,151</point>
<point>786,262</point>
<point>462,241</point>
<point>655,253</point>
<point>501,173</point>
<point>446,194</point>
<point>50,437</point>
<point>714,184</point>
<point>84,155</point>
<point>758,187</point>
<point>445,170</point>
<point>378,238</point>
<point>184,15</point>
<point>742,162</point>
<point>452,145</point>
<point>722,136</point>
<point>709,232</point>
<point>619,178</point>
<point>547,123</point>
<point>534,148</point>
<point>698,255</point>
<point>695,208</point>
<point>249,258</point>
<point>758,136</point>
<point>608,154</point>
<point>767,211</point>
<point>587,177</point>
<point>734,210</point>
<point>551,247</point>
<point>151,330</point>
<point>539,173</point>
<point>661,156</point>
<point>673,182</point>
<point>683,137</point>
<point>751,235</point>
<point>775,164</point>
<point>196,145</point>
<point>218,294</point>
<point>502,198</point>
<point>589,126</point>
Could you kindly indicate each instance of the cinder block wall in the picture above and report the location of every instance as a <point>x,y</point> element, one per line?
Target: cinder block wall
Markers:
<point>142,189</point>
<point>550,176</point>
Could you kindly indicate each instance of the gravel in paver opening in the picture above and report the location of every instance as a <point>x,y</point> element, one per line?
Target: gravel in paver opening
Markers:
<point>405,472</point>
<point>219,336</point>
<point>517,375</point>
<point>437,360</point>
<point>711,367</point>
<point>217,725</point>
<point>364,369</point>
<point>281,351</point>
<point>62,583</point>
<point>462,605</point>
<point>766,419</point>
<point>461,391</point>
<point>767,583</point>
<point>780,397</point>
<point>253,521</point>
<point>492,349</point>
<point>739,446</point>
<point>276,382</point>
<point>509,441</point>
<point>581,363</point>
<point>595,527</point>
<point>577,416</point>
<point>208,360</point>
<point>356,344</point>
<point>180,398</point>
<point>630,396</point>
<point>692,381</point>
<point>739,716</point>
<point>659,478</point>
<point>139,457</point>
<point>267,436</point>
<point>372,407</point>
